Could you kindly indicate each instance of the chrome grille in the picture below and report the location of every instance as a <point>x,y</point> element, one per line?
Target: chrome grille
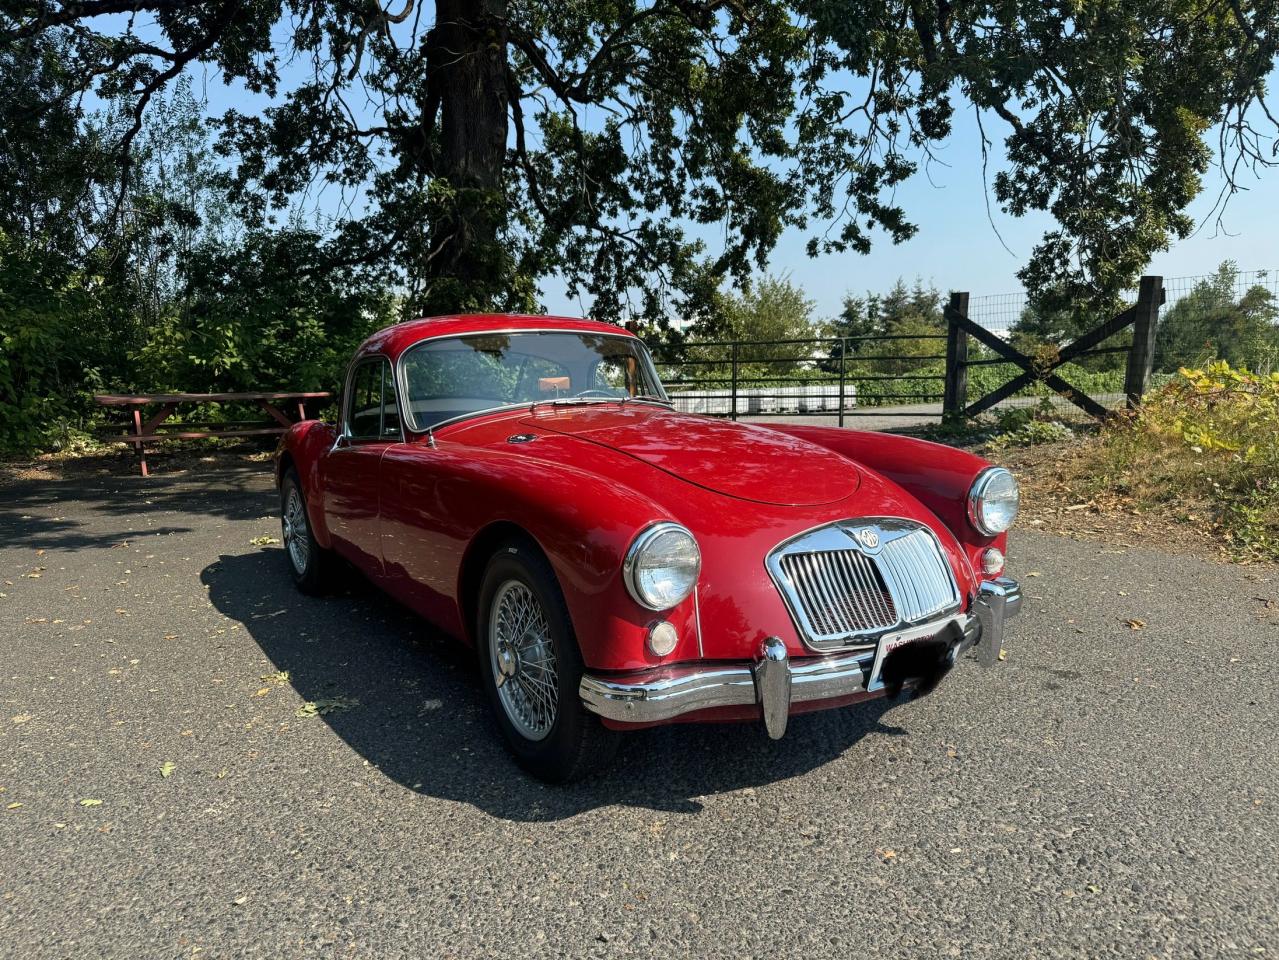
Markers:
<point>841,591</point>
<point>854,580</point>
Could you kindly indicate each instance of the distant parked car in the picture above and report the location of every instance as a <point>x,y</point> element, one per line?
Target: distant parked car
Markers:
<point>523,483</point>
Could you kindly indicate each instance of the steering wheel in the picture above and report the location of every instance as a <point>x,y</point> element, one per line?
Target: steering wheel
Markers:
<point>596,392</point>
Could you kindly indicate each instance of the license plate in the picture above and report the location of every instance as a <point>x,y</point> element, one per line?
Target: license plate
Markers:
<point>895,641</point>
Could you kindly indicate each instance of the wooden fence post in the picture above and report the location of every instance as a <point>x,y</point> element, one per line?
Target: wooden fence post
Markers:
<point>955,393</point>
<point>1141,357</point>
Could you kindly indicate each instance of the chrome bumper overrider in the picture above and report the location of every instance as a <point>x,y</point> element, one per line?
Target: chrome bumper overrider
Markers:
<point>774,681</point>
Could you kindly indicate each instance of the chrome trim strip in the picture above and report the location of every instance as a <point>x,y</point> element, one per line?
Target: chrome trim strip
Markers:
<point>697,620</point>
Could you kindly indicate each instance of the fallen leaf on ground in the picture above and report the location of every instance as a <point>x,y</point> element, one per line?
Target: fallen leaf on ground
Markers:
<point>331,705</point>
<point>1136,624</point>
<point>14,806</point>
<point>264,541</point>
<point>166,769</point>
<point>89,802</point>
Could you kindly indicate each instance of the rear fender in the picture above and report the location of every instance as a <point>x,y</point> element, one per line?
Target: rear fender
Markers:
<point>302,447</point>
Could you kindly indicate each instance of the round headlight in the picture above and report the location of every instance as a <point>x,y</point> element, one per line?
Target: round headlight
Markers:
<point>662,565</point>
<point>993,501</point>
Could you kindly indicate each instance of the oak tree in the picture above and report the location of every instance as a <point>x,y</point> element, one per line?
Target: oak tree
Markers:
<point>475,148</point>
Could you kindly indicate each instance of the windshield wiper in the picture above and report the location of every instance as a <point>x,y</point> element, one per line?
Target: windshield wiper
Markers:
<point>569,401</point>
<point>648,398</point>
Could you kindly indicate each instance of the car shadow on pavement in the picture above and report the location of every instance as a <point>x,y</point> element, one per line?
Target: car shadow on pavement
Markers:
<point>420,716</point>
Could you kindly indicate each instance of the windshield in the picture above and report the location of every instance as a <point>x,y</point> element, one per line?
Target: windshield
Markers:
<point>453,376</point>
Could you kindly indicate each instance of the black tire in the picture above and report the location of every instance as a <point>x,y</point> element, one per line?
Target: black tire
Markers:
<point>577,744</point>
<point>314,575</point>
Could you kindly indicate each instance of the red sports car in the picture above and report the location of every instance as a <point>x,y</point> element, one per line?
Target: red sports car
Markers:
<point>524,483</point>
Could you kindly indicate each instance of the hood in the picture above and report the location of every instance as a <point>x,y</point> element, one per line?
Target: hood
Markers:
<point>733,459</point>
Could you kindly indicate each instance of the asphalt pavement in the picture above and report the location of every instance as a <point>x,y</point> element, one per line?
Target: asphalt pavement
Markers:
<point>197,761</point>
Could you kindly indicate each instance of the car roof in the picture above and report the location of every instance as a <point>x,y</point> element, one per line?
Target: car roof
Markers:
<point>394,340</point>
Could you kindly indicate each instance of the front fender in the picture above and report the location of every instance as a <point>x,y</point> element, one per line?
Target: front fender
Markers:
<point>936,475</point>
<point>440,502</point>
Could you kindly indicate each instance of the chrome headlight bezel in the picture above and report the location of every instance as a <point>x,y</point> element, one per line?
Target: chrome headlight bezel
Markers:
<point>632,570</point>
<point>977,494</point>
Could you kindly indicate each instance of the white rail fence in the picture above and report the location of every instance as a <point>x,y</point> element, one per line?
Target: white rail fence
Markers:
<point>820,398</point>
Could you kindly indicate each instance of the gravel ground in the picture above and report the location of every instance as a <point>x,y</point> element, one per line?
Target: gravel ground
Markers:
<point>1111,790</point>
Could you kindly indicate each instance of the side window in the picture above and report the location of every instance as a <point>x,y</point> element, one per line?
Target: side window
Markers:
<point>364,410</point>
<point>390,409</point>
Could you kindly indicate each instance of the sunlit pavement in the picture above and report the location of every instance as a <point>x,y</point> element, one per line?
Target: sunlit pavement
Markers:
<point>1111,790</point>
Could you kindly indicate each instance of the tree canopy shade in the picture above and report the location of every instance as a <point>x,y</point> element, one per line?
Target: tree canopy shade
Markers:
<point>481,146</point>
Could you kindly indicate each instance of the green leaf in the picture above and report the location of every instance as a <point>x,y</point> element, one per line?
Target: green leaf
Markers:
<point>166,769</point>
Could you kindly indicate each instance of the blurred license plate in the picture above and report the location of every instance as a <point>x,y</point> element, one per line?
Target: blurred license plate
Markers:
<point>895,641</point>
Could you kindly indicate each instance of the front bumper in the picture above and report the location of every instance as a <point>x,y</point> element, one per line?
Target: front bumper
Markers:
<point>774,682</point>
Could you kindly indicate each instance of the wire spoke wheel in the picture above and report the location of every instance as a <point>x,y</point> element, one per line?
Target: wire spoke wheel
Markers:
<point>297,540</point>
<point>523,660</point>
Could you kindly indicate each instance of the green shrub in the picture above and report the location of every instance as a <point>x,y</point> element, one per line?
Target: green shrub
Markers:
<point>1032,433</point>
<point>1211,435</point>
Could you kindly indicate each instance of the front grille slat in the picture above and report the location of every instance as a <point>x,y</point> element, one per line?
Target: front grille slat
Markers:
<point>851,583</point>
<point>823,589</point>
<point>844,593</point>
<point>871,591</point>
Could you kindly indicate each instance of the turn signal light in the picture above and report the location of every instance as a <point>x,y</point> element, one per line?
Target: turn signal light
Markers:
<point>992,560</point>
<point>662,638</point>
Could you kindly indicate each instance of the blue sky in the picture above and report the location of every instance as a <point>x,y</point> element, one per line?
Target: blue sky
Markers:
<point>957,247</point>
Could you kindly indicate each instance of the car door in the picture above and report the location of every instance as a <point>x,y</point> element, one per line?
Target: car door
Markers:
<point>352,474</point>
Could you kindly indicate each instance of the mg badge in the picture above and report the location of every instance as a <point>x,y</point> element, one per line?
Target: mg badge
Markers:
<point>868,537</point>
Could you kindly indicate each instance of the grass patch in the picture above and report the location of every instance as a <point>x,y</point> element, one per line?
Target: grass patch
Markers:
<point>1204,449</point>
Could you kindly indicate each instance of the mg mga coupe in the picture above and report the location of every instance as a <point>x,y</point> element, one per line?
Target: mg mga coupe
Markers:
<point>525,484</point>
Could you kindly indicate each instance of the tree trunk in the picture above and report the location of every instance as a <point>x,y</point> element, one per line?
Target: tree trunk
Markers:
<point>468,268</point>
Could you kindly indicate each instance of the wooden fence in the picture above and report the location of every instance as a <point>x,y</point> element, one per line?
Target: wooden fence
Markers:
<point>876,376</point>
<point>1142,316</point>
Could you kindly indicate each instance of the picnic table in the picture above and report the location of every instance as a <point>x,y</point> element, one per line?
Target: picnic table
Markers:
<point>148,429</point>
